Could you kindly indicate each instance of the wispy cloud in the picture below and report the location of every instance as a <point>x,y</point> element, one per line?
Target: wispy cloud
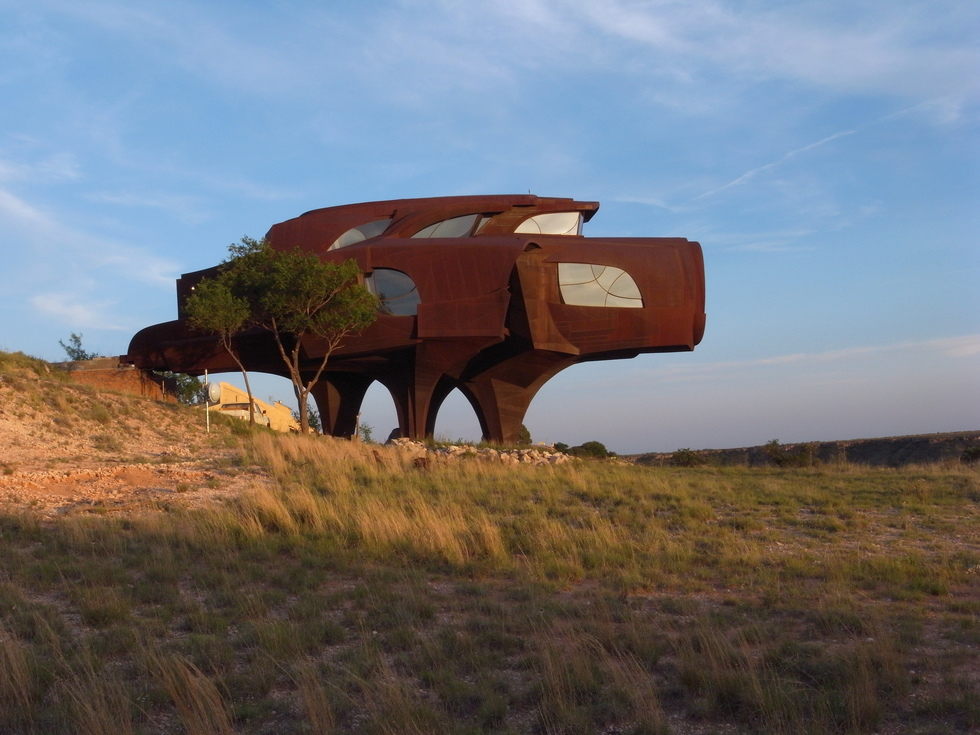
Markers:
<point>752,173</point>
<point>673,54</point>
<point>19,210</point>
<point>86,251</point>
<point>949,347</point>
<point>657,202</point>
<point>52,168</point>
<point>185,208</point>
<point>76,311</point>
<point>877,48</point>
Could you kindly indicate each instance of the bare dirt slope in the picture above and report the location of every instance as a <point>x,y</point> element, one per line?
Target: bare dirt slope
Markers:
<point>65,447</point>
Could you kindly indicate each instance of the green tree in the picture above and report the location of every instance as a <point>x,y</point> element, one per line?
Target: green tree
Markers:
<point>297,297</point>
<point>524,436</point>
<point>74,349</point>
<point>314,418</point>
<point>186,388</point>
<point>214,307</point>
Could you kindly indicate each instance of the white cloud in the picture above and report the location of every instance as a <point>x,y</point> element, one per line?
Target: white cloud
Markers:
<point>675,54</point>
<point>185,208</point>
<point>966,346</point>
<point>76,312</point>
<point>879,48</point>
<point>53,168</point>
<point>77,250</point>
<point>948,347</point>
<point>16,208</point>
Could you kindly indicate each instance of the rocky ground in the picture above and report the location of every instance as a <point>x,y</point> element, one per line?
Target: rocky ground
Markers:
<point>534,455</point>
<point>65,447</point>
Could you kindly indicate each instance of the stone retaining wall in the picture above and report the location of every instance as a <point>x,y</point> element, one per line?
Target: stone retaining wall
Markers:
<point>107,373</point>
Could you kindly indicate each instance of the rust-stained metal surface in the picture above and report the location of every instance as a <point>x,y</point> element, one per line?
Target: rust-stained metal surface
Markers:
<point>500,305</point>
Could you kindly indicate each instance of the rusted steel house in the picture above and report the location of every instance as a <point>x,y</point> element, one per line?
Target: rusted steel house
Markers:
<point>492,295</point>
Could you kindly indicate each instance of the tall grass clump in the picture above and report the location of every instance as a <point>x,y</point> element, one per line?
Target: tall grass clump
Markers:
<point>315,699</point>
<point>99,702</point>
<point>784,686</point>
<point>18,682</point>
<point>200,705</point>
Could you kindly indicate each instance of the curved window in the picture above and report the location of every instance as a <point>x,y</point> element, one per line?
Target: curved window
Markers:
<point>455,227</point>
<point>552,223</point>
<point>585,284</point>
<point>361,232</point>
<point>395,290</point>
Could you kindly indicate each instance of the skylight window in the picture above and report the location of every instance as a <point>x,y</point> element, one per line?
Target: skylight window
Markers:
<point>454,227</point>
<point>552,223</point>
<point>361,232</point>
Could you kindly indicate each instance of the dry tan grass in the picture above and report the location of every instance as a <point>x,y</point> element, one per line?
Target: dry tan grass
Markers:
<point>316,703</point>
<point>17,695</point>
<point>201,707</point>
<point>100,703</point>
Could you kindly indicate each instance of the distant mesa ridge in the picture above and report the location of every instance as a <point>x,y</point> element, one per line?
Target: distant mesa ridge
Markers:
<point>892,451</point>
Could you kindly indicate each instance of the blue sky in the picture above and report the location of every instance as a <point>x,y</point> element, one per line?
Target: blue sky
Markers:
<point>825,154</point>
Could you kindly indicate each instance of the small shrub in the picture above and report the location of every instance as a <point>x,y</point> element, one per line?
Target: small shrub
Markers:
<point>775,453</point>
<point>971,455</point>
<point>99,413</point>
<point>686,458</point>
<point>591,449</point>
<point>106,443</point>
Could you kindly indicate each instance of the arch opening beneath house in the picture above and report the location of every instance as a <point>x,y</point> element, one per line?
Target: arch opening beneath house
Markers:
<point>456,420</point>
<point>378,414</point>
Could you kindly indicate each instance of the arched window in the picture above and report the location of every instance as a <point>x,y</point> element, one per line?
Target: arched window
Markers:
<point>395,290</point>
<point>552,223</point>
<point>585,284</point>
<point>361,232</point>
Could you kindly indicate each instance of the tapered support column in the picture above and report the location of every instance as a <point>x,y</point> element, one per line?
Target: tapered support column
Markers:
<point>501,394</point>
<point>338,398</point>
<point>419,389</point>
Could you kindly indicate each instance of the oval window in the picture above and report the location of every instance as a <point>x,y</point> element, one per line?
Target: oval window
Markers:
<point>396,291</point>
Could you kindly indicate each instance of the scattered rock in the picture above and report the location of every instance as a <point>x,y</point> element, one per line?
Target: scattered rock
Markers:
<point>533,456</point>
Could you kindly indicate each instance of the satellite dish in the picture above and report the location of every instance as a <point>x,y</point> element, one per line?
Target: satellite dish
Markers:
<point>214,392</point>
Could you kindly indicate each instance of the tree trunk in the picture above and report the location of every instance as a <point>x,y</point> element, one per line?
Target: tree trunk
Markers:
<point>248,388</point>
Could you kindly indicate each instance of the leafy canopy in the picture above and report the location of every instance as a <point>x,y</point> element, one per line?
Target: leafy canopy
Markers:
<point>292,294</point>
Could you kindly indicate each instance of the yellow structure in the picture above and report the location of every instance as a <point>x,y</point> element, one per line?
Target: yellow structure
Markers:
<point>233,401</point>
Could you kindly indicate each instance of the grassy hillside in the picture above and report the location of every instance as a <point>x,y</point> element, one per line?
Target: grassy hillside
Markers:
<point>341,588</point>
